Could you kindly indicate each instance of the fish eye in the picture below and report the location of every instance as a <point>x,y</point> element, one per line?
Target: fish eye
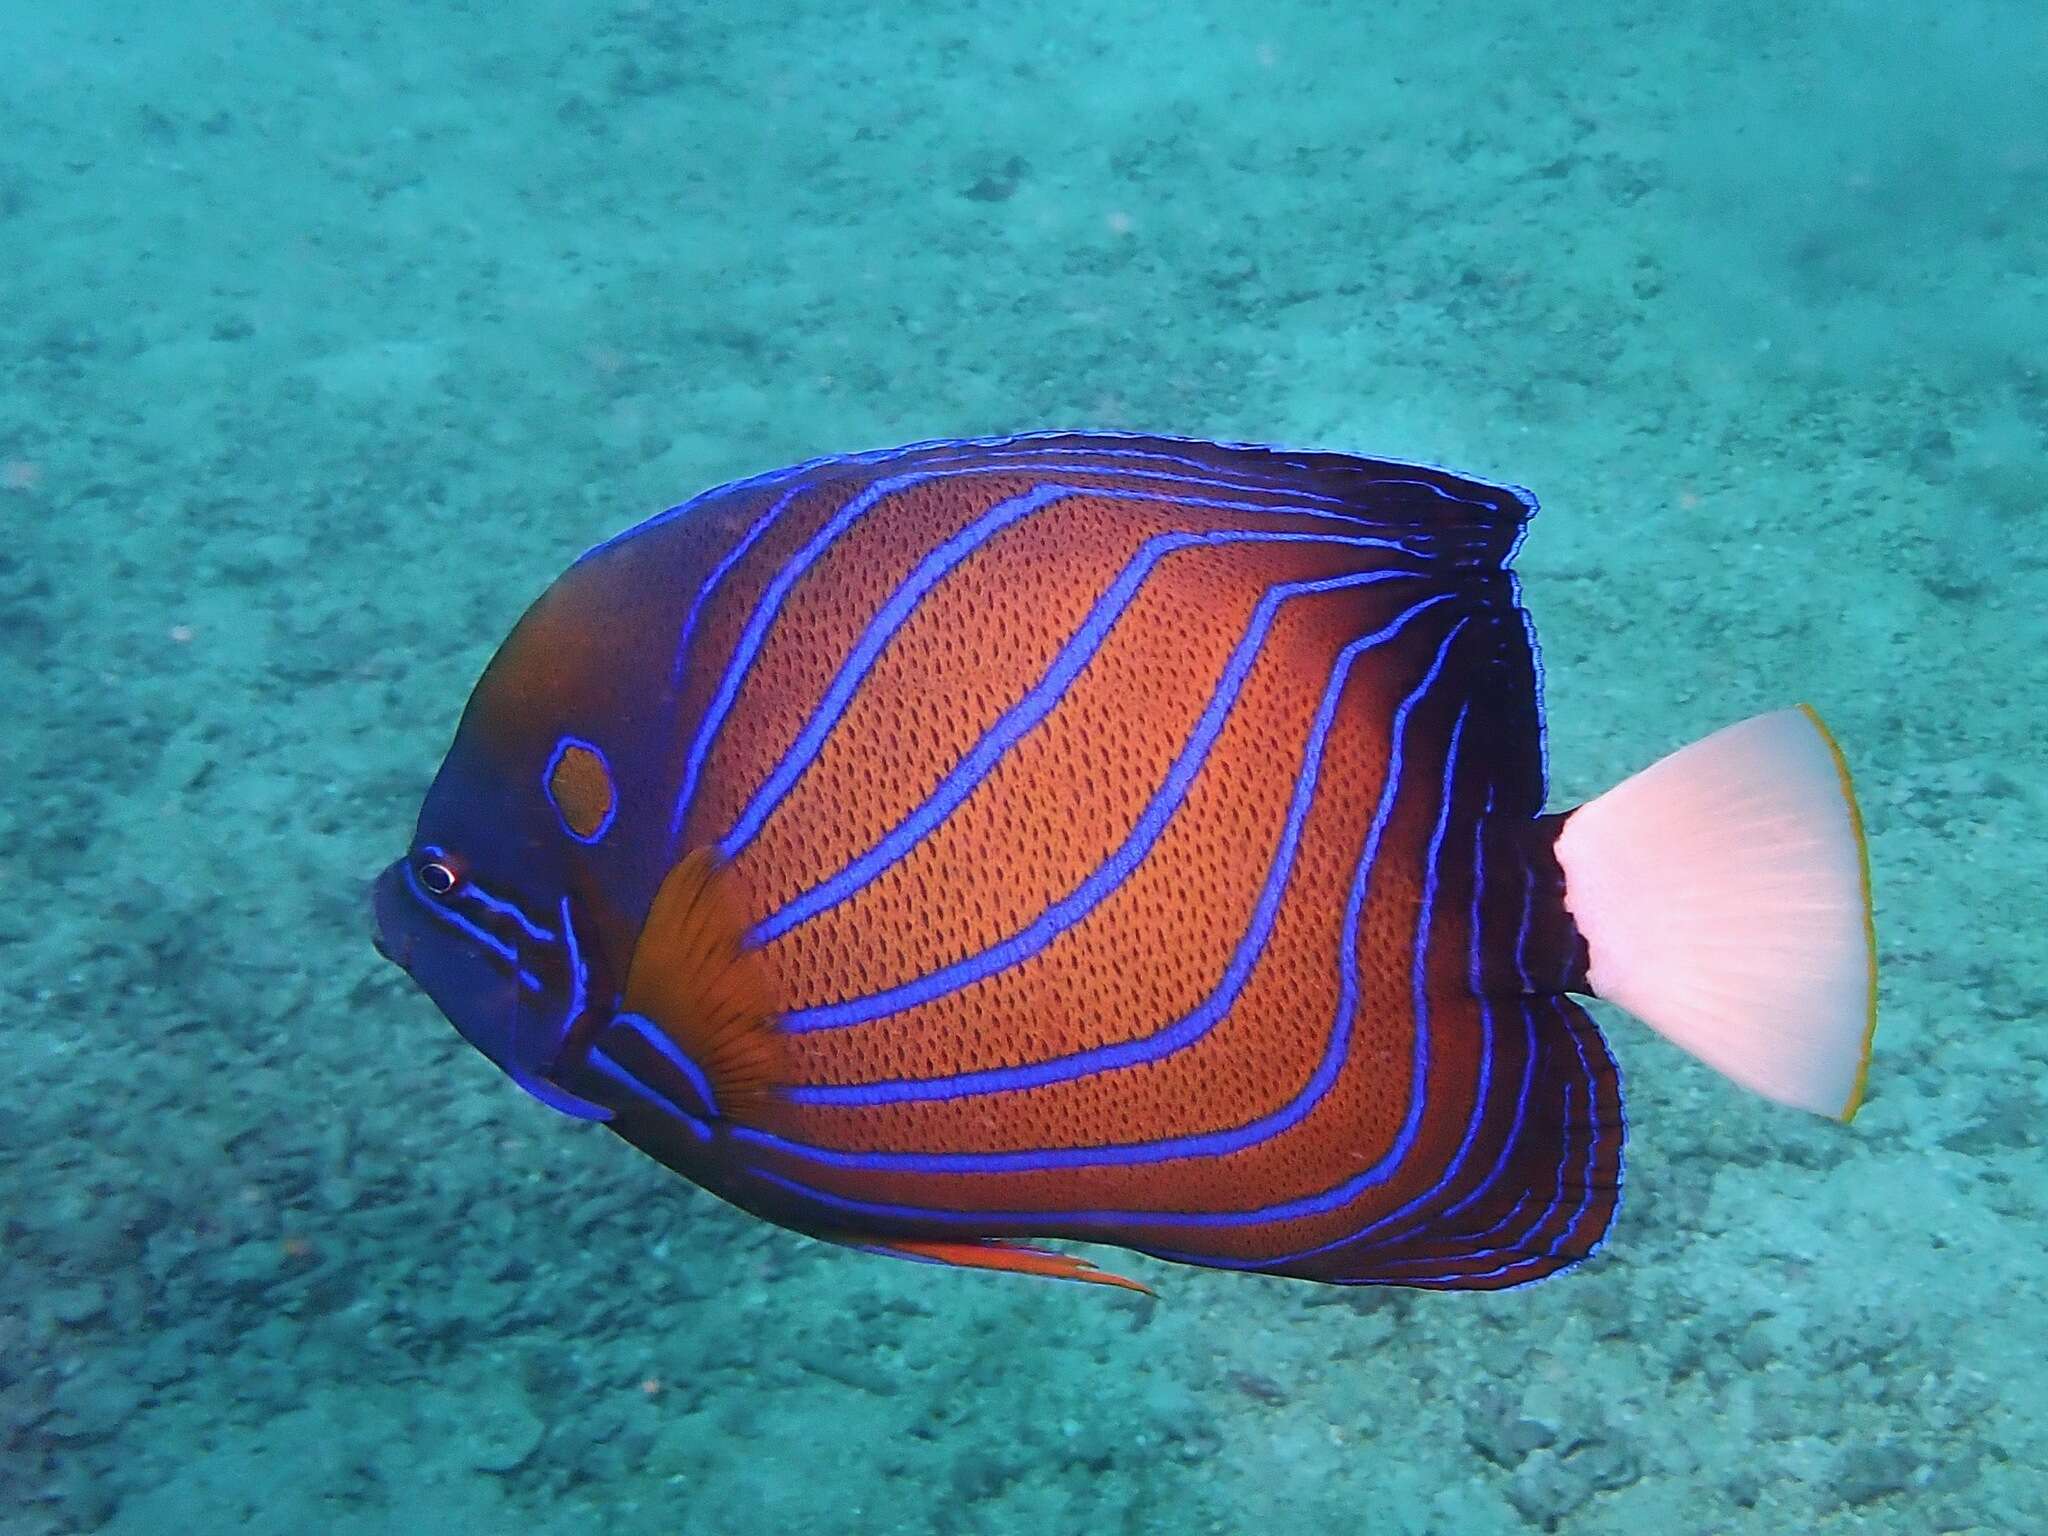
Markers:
<point>437,876</point>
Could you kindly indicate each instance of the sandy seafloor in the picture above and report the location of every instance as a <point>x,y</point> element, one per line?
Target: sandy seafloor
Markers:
<point>331,333</point>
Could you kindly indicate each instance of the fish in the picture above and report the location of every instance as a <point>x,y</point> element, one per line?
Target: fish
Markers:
<point>1132,841</point>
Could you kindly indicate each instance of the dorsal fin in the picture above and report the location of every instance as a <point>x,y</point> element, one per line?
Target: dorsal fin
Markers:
<point>694,977</point>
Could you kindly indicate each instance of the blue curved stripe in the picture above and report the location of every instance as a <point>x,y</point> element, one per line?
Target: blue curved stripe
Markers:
<point>661,1101</point>
<point>1307,1205</point>
<point>1092,444</point>
<point>768,607</point>
<point>1507,1149</point>
<point>773,514</point>
<point>1447,1271</point>
<point>1522,932</point>
<point>1473,1120</point>
<point>888,620</point>
<point>768,479</point>
<point>1536,672</point>
<point>579,986</point>
<point>1482,1096</point>
<point>1137,461</point>
<point>527,1061</point>
<point>1113,871</point>
<point>1288,485</point>
<point>1445,1276</point>
<point>652,1036</point>
<point>504,908</point>
<point>1585,1176</point>
<point>1019,720</point>
<point>1043,442</point>
<point>741,548</point>
<point>1483,1242</point>
<point>1514,1135</point>
<point>1418,1095</point>
<point>1192,1026</point>
<point>482,935</point>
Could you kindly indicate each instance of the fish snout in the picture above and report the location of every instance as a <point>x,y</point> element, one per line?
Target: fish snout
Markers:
<point>388,934</point>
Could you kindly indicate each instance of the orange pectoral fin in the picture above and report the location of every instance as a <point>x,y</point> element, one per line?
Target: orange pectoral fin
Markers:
<point>694,977</point>
<point>992,1253</point>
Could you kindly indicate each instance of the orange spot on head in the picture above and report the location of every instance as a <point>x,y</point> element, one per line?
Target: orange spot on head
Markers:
<point>580,785</point>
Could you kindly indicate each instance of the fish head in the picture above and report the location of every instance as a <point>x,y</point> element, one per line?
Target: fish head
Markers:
<point>499,909</point>
<point>482,919</point>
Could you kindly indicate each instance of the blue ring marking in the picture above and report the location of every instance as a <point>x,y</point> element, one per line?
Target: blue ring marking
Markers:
<point>483,936</point>
<point>1021,718</point>
<point>563,748</point>
<point>1307,1205</point>
<point>1194,1025</point>
<point>651,1033</point>
<point>660,1101</point>
<point>1109,875</point>
<point>768,608</point>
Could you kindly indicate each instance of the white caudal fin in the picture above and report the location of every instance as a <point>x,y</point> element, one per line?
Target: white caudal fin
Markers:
<point>1724,896</point>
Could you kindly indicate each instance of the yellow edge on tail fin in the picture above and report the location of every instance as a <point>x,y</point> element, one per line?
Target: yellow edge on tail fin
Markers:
<point>1869,911</point>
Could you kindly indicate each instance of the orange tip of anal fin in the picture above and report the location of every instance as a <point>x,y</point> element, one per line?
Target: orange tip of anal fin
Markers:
<point>994,1253</point>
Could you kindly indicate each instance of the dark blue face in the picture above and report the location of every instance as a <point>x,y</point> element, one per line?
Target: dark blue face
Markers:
<point>492,939</point>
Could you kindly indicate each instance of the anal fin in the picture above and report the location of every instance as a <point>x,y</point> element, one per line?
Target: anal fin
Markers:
<point>991,1253</point>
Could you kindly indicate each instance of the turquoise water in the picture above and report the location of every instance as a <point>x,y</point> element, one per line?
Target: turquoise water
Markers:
<point>333,333</point>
